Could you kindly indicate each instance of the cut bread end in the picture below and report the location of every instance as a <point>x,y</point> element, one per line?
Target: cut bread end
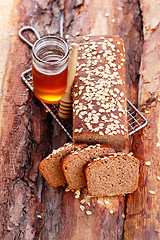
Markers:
<point>112,176</point>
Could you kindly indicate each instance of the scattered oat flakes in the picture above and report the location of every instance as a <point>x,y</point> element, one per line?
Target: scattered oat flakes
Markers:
<point>39,216</point>
<point>67,189</point>
<point>158,178</point>
<point>82,207</point>
<point>152,192</point>
<point>148,163</point>
<point>88,213</point>
<point>67,36</point>
<point>123,215</point>
<point>107,14</point>
<point>113,20</point>
<point>77,192</point>
<point>111,211</point>
<point>146,111</point>
<point>158,144</point>
<point>77,196</point>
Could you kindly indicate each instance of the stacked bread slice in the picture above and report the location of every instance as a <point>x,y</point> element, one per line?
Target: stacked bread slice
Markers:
<point>112,175</point>
<point>73,164</point>
<point>50,167</point>
<point>104,172</point>
<point>99,125</point>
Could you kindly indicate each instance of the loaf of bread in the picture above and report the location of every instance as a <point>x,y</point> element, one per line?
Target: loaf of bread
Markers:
<point>113,175</point>
<point>50,167</point>
<point>99,92</point>
<point>73,163</point>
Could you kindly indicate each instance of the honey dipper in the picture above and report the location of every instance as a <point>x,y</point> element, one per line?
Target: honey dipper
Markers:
<point>65,108</point>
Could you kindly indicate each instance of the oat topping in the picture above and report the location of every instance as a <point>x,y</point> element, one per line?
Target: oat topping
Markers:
<point>55,151</point>
<point>100,85</point>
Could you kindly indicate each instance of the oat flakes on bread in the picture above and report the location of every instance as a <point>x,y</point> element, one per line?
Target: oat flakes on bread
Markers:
<point>50,167</point>
<point>99,92</point>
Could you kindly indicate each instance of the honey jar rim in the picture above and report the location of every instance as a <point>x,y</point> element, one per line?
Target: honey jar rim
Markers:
<point>46,62</point>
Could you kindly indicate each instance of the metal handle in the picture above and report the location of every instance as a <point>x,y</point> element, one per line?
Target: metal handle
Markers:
<point>31,29</point>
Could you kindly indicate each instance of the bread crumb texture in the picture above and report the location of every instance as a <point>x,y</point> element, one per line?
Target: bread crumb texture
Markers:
<point>112,176</point>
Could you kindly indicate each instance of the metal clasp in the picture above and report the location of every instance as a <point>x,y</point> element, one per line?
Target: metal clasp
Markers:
<point>25,28</point>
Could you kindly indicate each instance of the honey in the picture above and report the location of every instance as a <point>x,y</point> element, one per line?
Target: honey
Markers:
<point>49,88</point>
<point>49,68</point>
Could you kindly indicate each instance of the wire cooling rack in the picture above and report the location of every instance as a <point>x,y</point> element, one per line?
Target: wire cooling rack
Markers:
<point>136,120</point>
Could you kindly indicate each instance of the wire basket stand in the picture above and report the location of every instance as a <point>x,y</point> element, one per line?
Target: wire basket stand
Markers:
<point>136,120</point>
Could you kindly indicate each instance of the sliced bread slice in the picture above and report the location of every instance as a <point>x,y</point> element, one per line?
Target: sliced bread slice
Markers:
<point>73,163</point>
<point>113,175</point>
<point>50,167</point>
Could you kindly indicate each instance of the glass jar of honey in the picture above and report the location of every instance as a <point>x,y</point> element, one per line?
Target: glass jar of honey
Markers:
<point>49,68</point>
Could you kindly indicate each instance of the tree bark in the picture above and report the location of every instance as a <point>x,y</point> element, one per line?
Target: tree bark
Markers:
<point>30,209</point>
<point>143,207</point>
<point>27,132</point>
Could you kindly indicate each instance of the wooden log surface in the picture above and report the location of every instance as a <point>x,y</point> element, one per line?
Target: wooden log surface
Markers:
<point>143,207</point>
<point>29,208</point>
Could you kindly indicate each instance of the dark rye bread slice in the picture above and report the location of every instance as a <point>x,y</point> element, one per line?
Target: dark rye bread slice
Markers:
<point>50,167</point>
<point>99,92</point>
<point>113,175</point>
<point>73,163</point>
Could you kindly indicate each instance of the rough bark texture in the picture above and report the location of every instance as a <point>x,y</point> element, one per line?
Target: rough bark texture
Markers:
<point>29,208</point>
<point>143,207</point>
<point>27,132</point>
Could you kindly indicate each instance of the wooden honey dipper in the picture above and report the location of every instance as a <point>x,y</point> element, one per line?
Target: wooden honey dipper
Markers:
<point>65,108</point>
